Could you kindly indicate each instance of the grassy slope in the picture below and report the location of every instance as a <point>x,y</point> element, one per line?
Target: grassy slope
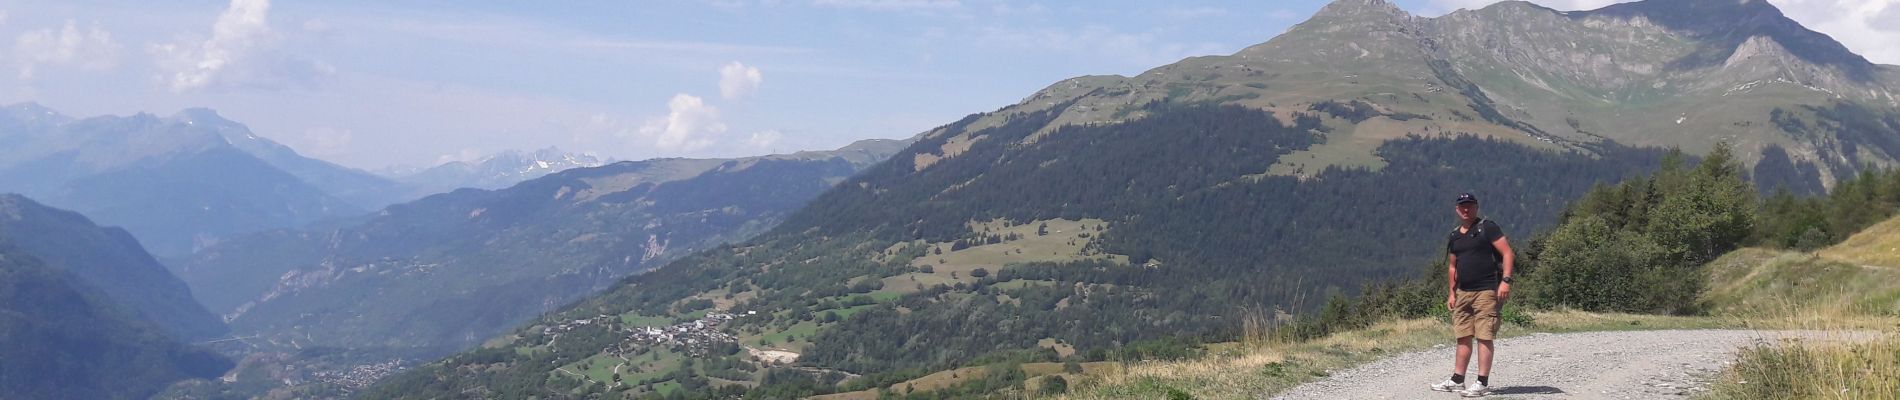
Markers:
<point>1852,284</point>
<point>1876,247</point>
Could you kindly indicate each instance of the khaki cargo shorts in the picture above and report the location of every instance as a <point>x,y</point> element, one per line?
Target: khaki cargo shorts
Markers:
<point>1475,314</point>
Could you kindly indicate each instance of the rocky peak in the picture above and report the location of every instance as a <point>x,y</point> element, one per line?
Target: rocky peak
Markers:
<point>1723,26</point>
<point>208,119</point>
<point>26,118</point>
<point>11,205</point>
<point>1359,11</point>
<point>1375,28</point>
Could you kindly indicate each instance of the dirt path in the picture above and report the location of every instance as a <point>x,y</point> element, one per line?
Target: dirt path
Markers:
<point>1587,365</point>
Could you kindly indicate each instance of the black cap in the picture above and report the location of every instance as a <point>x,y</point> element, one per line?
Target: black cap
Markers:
<point>1467,198</point>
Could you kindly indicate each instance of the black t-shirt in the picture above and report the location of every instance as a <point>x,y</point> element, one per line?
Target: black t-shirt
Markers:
<point>1480,265</point>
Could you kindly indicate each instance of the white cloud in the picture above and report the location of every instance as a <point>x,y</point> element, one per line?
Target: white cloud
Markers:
<point>1868,27</point>
<point>737,80</point>
<point>763,139</point>
<point>690,124</point>
<point>241,52</point>
<point>91,49</point>
<point>466,155</point>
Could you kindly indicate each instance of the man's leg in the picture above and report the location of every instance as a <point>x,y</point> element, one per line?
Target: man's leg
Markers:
<point>1463,327</point>
<point>1460,362</point>
<point>1486,330</point>
<point>1484,357</point>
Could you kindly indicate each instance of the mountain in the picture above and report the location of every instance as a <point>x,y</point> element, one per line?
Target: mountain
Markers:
<point>177,183</point>
<point>61,338</point>
<point>1121,217</point>
<point>493,172</point>
<point>110,260</point>
<point>1683,73</point>
<point>450,270</point>
<point>359,188</point>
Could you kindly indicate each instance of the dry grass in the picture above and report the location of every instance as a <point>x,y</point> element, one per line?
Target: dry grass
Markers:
<point>1876,247</point>
<point>1250,369</point>
<point>945,379</point>
<point>1843,289</point>
<point>1815,370</point>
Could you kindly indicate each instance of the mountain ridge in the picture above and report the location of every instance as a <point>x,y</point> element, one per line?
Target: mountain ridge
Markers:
<point>178,183</point>
<point>67,333</point>
<point>495,171</point>
<point>109,259</point>
<point>1582,86</point>
<point>518,250</point>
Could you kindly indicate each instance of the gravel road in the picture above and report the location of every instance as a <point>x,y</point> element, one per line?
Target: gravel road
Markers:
<point>1587,365</point>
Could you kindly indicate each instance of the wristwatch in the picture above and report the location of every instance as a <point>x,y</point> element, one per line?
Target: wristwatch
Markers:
<point>1507,279</point>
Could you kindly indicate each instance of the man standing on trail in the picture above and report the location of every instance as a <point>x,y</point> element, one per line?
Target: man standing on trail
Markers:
<point>1480,262</point>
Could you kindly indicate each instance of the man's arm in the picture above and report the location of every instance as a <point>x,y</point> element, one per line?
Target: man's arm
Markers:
<point>1510,263</point>
<point>1451,280</point>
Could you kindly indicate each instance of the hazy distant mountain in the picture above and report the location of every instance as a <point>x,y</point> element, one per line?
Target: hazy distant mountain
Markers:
<point>177,183</point>
<point>452,269</point>
<point>492,172</point>
<point>110,260</point>
<point>1105,211</point>
<point>63,338</point>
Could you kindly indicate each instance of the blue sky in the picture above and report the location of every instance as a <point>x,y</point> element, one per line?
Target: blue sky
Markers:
<point>371,84</point>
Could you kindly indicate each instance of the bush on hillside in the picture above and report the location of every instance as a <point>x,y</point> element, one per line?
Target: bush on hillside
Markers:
<point>1639,246</point>
<point>1791,222</point>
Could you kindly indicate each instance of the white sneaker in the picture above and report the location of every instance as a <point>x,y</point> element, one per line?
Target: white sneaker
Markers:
<point>1447,386</point>
<point>1477,390</point>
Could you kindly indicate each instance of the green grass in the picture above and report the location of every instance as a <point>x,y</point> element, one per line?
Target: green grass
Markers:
<point>802,330</point>
<point>885,297</point>
<point>847,312</point>
<point>600,367</point>
<point>666,388</point>
<point>1770,283</point>
<point>691,316</point>
<point>1064,241</point>
<point>1022,283</point>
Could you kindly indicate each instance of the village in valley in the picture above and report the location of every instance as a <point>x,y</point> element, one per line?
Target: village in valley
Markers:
<point>362,375</point>
<point>695,338</point>
<point>644,355</point>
